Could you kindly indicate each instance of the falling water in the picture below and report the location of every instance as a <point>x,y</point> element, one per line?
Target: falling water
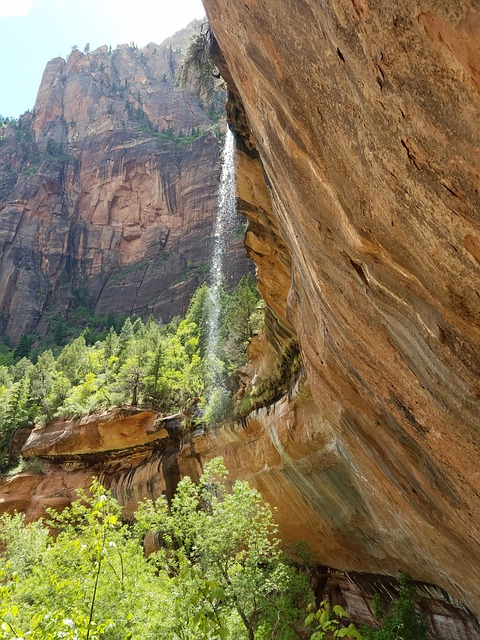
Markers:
<point>224,224</point>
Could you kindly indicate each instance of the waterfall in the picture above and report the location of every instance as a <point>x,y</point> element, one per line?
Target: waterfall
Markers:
<point>224,224</point>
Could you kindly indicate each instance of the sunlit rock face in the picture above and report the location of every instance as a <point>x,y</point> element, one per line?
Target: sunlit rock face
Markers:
<point>360,174</point>
<point>132,451</point>
<point>108,191</point>
<point>113,431</point>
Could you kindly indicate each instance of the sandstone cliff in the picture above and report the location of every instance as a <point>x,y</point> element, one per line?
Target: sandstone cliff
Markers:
<point>359,124</point>
<point>108,190</point>
<point>358,170</point>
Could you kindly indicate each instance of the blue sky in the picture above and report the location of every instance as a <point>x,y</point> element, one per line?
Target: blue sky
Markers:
<point>32,32</point>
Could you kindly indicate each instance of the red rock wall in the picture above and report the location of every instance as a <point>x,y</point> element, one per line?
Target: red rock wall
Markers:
<point>94,200</point>
<point>285,450</point>
<point>363,200</point>
<point>365,117</point>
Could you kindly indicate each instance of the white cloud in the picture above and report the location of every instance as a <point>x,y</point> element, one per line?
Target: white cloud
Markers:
<point>15,8</point>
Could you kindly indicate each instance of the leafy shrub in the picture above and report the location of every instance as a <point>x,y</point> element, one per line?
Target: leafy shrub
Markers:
<point>327,622</point>
<point>219,573</point>
<point>26,464</point>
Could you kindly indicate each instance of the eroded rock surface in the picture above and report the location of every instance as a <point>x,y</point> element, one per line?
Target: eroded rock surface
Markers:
<point>359,173</point>
<point>108,191</point>
<point>117,430</point>
<point>363,192</point>
<point>131,450</point>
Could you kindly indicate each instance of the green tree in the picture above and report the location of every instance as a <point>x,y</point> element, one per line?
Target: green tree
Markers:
<point>111,343</point>
<point>197,313</point>
<point>229,536</point>
<point>130,378</point>
<point>126,340</point>
<point>242,318</point>
<point>218,574</point>
<point>404,621</point>
<point>198,69</point>
<point>14,413</point>
<point>24,346</point>
<point>91,582</point>
<point>153,388</point>
<point>73,360</point>
<point>42,377</point>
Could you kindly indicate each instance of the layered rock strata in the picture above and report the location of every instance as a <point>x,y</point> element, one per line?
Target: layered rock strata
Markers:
<point>108,191</point>
<point>127,447</point>
<point>360,175</point>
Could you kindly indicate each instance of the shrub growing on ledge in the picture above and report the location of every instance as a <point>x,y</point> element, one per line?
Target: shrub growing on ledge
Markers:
<point>198,68</point>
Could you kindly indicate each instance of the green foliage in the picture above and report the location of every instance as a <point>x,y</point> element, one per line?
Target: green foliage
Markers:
<point>90,582</point>
<point>403,622</point>
<point>5,120</point>
<point>179,138</point>
<point>134,363</point>
<point>198,68</point>
<point>223,542</point>
<point>26,464</point>
<point>218,574</point>
<point>270,387</point>
<point>22,350</point>
<point>327,622</point>
<point>56,150</point>
<point>243,318</point>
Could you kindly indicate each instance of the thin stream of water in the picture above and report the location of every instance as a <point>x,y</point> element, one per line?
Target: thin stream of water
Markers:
<point>224,225</point>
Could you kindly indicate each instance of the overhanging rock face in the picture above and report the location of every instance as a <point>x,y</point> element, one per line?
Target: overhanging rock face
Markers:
<point>366,228</point>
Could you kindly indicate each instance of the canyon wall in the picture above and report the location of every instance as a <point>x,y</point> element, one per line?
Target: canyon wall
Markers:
<point>108,191</point>
<point>358,128</point>
<point>358,136</point>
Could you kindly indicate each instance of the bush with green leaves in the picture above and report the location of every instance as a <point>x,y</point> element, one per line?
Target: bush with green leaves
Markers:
<point>327,621</point>
<point>403,621</point>
<point>219,572</point>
